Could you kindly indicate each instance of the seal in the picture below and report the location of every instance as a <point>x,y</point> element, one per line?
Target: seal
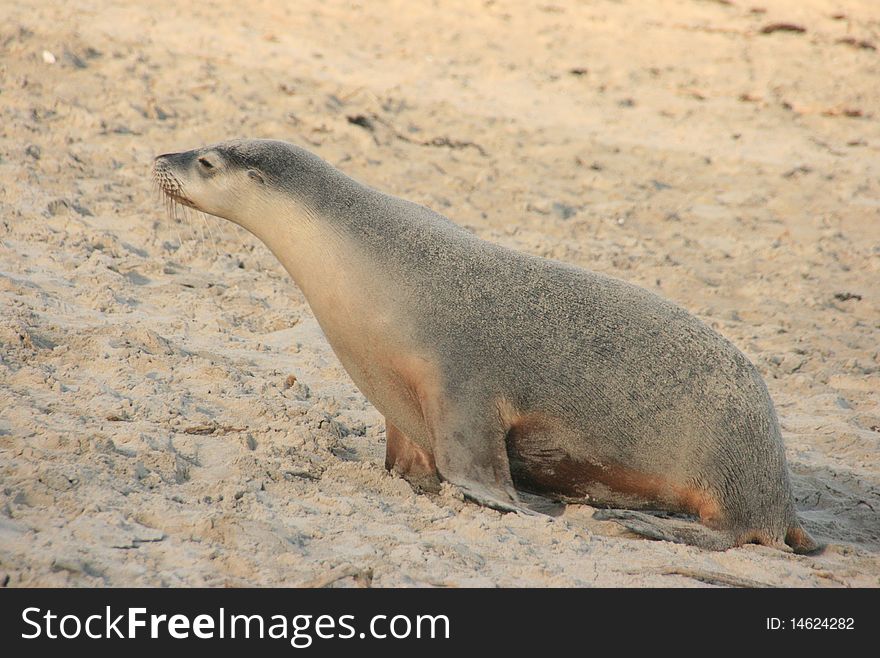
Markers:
<point>501,372</point>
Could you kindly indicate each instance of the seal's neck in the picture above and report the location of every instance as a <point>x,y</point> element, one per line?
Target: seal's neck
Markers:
<point>350,291</point>
<point>355,253</point>
<point>343,229</point>
<point>311,249</point>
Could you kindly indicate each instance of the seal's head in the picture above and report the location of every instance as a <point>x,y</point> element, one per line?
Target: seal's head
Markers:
<point>221,179</point>
<point>247,181</point>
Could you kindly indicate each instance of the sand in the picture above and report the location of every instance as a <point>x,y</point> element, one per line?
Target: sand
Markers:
<point>170,413</point>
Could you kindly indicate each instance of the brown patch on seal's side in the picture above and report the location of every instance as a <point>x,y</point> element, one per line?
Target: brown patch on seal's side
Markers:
<point>551,471</point>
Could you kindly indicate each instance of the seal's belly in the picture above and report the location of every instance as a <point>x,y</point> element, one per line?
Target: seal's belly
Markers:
<point>375,346</point>
<point>402,385</point>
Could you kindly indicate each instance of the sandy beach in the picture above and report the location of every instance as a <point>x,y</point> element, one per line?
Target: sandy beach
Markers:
<point>172,415</point>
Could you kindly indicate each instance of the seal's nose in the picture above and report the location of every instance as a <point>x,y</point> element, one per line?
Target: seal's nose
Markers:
<point>180,161</point>
<point>160,164</point>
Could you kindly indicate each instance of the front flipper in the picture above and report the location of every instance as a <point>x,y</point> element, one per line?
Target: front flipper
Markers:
<point>472,455</point>
<point>488,497</point>
<point>679,532</point>
<point>406,458</point>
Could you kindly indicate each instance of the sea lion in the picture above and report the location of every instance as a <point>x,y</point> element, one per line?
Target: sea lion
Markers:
<point>497,371</point>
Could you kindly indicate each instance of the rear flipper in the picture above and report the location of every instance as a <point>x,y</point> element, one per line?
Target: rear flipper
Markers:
<point>679,532</point>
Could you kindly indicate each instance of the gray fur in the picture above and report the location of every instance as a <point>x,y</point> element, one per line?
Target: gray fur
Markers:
<point>622,376</point>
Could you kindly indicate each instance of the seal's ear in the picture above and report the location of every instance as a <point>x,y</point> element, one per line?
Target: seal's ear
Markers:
<point>256,175</point>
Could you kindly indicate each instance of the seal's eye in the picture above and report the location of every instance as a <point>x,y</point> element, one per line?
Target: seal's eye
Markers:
<point>205,163</point>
